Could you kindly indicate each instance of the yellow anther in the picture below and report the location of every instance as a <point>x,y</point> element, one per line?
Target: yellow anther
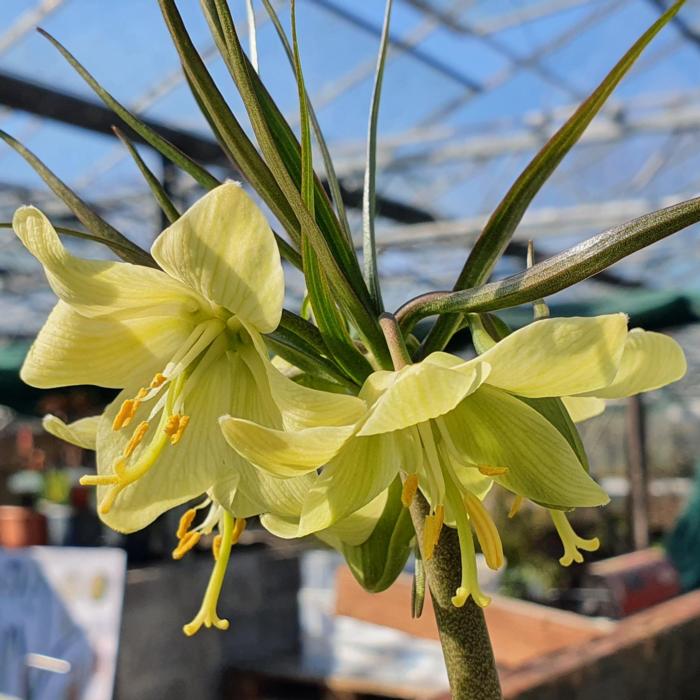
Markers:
<point>431,531</point>
<point>157,380</point>
<point>126,413</point>
<point>486,531</point>
<point>136,438</point>
<point>516,506</point>
<point>216,546</point>
<point>98,479</point>
<point>186,543</point>
<point>142,394</point>
<point>410,486</point>
<point>172,424</point>
<point>488,470</point>
<point>185,522</point>
<point>181,425</point>
<point>238,527</point>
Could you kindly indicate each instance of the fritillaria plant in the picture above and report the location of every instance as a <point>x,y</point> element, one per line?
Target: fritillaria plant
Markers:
<point>335,421</point>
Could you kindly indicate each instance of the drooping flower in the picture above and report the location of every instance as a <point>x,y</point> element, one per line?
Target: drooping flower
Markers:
<point>452,428</point>
<point>184,345</point>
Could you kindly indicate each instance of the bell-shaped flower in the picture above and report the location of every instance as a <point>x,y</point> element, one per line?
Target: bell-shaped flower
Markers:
<point>452,428</point>
<point>183,343</point>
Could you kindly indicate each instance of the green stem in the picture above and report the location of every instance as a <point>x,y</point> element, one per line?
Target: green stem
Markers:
<point>465,641</point>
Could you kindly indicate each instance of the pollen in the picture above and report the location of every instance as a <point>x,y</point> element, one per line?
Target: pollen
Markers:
<point>177,435</point>
<point>125,414</point>
<point>141,394</point>
<point>516,506</point>
<point>486,531</point>
<point>408,493</point>
<point>488,470</point>
<point>186,543</point>
<point>136,439</point>
<point>431,532</point>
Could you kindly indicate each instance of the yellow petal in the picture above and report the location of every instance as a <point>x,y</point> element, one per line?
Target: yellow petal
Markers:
<point>282,453</point>
<point>224,248</point>
<point>73,349</point>
<point>491,427</point>
<point>649,361</point>
<point>582,408</point>
<point>99,287</point>
<point>359,473</point>
<point>82,433</point>
<point>418,393</point>
<point>558,356</point>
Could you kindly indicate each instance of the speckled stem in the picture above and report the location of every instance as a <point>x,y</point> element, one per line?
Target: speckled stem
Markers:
<point>465,640</point>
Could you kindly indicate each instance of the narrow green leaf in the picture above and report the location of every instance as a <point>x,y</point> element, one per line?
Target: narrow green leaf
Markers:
<point>369,194</point>
<point>339,264</point>
<point>331,323</point>
<point>159,193</point>
<point>559,271</point>
<point>225,126</point>
<point>333,182</point>
<point>500,227</point>
<point>162,145</point>
<point>92,221</point>
<point>83,235</point>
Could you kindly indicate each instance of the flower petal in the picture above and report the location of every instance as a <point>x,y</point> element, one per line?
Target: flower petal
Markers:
<point>495,429</point>
<point>283,453</point>
<point>99,287</point>
<point>223,247</point>
<point>582,408</point>
<point>82,432</point>
<point>649,361</point>
<point>421,392</point>
<point>358,474</point>
<point>73,349</point>
<point>558,356</point>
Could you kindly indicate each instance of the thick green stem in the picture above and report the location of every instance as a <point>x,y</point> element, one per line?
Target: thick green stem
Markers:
<point>465,640</point>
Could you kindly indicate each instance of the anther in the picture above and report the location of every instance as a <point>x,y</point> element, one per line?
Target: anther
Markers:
<point>172,424</point>
<point>488,470</point>
<point>136,438</point>
<point>126,413</point>
<point>142,394</point>
<point>185,521</point>
<point>158,380</point>
<point>408,493</point>
<point>216,547</point>
<point>186,543</point>
<point>98,479</point>
<point>516,506</point>
<point>181,425</point>
<point>432,530</point>
<point>238,527</point>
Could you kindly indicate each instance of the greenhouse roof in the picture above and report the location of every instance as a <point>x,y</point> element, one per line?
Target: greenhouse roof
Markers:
<point>472,89</point>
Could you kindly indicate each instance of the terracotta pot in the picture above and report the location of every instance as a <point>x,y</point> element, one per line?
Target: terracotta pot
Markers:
<point>21,527</point>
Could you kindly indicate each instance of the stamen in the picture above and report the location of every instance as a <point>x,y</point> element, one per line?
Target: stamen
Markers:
<point>207,614</point>
<point>98,479</point>
<point>486,531</point>
<point>238,528</point>
<point>469,584</point>
<point>136,439</point>
<point>408,493</point>
<point>431,531</point>
<point>432,461</point>
<point>186,543</point>
<point>157,380</point>
<point>186,521</point>
<point>125,414</point>
<point>172,424</point>
<point>142,394</point>
<point>182,424</point>
<point>516,506</point>
<point>571,541</point>
<point>487,470</point>
<point>216,547</point>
